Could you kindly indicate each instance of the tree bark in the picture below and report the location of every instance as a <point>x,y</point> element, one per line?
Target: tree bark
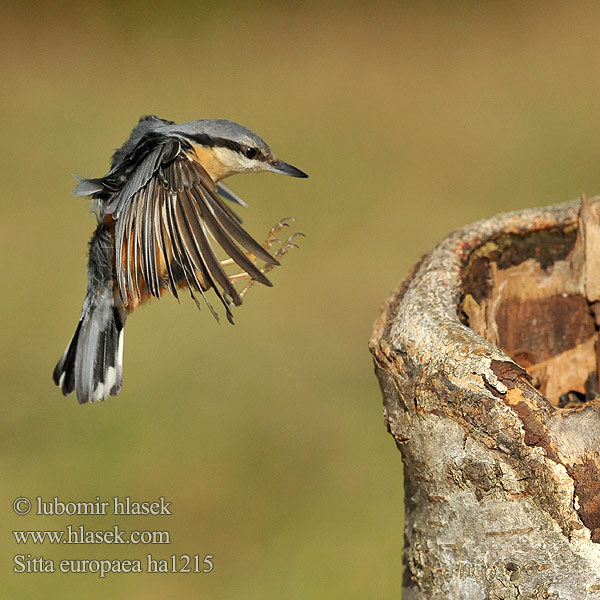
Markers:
<point>487,356</point>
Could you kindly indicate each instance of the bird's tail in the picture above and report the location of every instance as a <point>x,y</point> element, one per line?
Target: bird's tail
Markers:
<point>93,361</point>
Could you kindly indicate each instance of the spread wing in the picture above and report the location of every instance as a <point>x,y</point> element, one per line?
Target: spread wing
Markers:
<point>166,215</point>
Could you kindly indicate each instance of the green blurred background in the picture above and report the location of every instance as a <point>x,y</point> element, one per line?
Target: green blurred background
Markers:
<point>412,119</point>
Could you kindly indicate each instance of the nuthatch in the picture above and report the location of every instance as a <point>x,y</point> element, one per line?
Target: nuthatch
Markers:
<point>159,212</point>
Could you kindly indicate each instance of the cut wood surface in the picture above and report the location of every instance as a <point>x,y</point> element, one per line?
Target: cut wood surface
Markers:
<point>487,356</point>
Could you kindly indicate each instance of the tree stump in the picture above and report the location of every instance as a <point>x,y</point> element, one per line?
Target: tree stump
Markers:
<point>488,359</point>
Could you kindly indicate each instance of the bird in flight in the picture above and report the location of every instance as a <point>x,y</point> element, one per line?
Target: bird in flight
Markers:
<point>160,216</point>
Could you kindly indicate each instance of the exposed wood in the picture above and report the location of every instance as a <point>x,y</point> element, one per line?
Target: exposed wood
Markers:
<point>487,356</point>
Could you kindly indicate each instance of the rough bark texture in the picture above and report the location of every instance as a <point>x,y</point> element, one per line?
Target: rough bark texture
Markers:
<point>487,356</point>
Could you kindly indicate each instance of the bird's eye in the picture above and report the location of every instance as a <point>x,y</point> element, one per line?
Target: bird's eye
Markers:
<point>251,152</point>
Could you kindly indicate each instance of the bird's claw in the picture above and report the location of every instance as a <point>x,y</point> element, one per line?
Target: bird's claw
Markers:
<point>288,245</point>
<point>280,252</point>
<point>285,222</point>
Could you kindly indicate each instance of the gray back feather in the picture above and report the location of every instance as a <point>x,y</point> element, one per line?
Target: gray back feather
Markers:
<point>217,128</point>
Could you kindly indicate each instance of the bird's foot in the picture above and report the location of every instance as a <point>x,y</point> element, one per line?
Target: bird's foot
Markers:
<point>270,241</point>
<point>279,253</point>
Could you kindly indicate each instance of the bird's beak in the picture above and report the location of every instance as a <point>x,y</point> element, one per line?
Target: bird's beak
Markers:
<point>278,166</point>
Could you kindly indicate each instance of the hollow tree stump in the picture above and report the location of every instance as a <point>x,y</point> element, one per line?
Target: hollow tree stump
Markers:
<point>487,356</point>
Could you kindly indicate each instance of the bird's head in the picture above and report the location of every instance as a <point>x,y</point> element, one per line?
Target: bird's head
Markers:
<point>225,148</point>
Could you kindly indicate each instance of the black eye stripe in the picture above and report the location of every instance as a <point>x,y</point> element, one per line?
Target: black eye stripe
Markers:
<point>212,142</point>
<point>218,142</point>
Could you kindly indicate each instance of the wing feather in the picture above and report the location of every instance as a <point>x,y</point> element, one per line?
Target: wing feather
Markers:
<point>202,249</point>
<point>137,180</point>
<point>165,243</point>
<point>167,214</point>
<point>198,260</point>
<point>129,271</point>
<point>136,231</point>
<point>207,196</point>
<point>180,252</point>
<point>220,235</point>
<point>149,244</point>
